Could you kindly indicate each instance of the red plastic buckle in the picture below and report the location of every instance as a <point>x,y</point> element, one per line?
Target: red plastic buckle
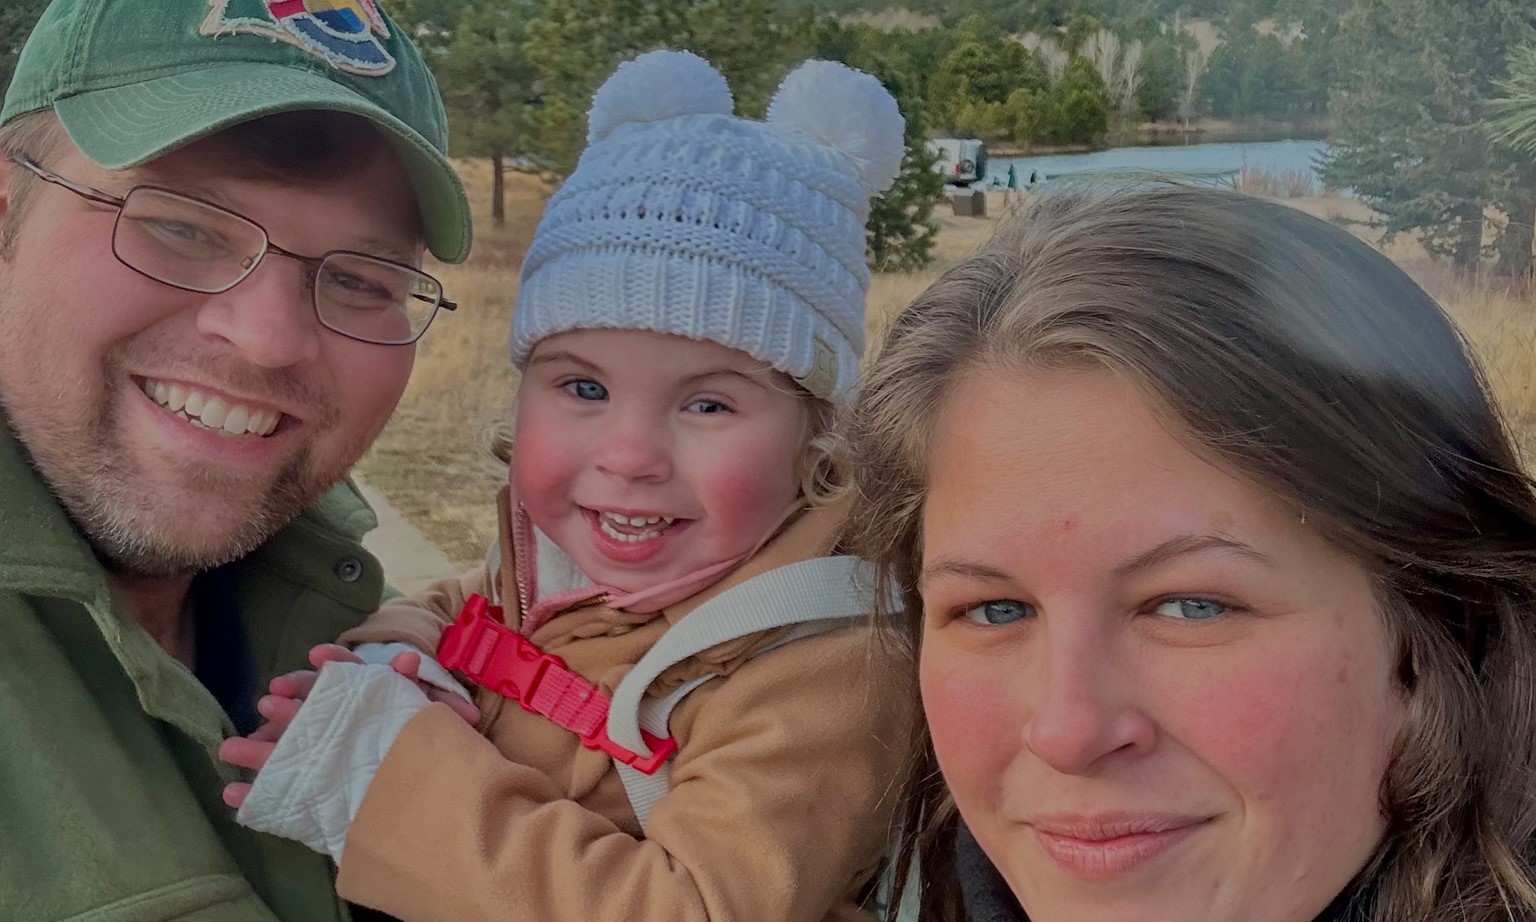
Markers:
<point>479,645</point>
<point>662,749</point>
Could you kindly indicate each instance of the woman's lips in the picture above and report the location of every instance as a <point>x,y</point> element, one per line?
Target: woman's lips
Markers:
<point>1101,848</point>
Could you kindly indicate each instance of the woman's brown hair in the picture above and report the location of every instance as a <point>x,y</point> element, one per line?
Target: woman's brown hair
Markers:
<point>1309,363</point>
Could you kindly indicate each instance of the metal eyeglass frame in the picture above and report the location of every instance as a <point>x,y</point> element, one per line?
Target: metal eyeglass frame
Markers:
<point>311,264</point>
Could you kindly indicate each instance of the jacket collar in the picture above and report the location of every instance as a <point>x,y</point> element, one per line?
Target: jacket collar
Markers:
<point>48,557</point>
<point>52,558</point>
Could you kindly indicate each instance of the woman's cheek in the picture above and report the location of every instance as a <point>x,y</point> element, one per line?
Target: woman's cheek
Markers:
<point>973,715</point>
<point>1270,724</point>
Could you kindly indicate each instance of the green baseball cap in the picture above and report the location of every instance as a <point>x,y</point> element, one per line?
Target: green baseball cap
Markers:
<point>131,80</point>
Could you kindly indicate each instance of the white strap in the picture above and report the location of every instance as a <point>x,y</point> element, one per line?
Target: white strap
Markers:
<point>810,590</point>
<point>656,713</point>
<point>644,790</point>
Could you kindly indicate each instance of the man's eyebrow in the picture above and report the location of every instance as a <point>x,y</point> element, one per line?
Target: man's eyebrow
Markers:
<point>376,246</point>
<point>964,569</point>
<point>1184,545</point>
<point>124,180</point>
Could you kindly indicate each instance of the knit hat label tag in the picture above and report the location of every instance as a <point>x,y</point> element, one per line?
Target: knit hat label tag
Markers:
<point>821,381</point>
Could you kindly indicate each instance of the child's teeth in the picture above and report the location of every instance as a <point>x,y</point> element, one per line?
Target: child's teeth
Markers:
<point>634,521</point>
<point>607,521</point>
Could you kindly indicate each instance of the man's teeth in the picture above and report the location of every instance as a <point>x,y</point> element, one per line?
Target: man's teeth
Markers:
<point>211,412</point>
<point>608,520</point>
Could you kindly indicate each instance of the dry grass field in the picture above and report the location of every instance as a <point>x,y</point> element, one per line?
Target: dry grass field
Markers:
<point>432,462</point>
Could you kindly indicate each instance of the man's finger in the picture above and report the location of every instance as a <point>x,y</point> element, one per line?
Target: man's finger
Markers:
<point>246,753</point>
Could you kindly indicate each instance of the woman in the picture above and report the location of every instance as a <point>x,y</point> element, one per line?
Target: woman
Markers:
<point>1221,567</point>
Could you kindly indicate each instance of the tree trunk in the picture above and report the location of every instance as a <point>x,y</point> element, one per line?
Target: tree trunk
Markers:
<point>1515,247</point>
<point>498,189</point>
<point>1519,236</point>
<point>1469,244</point>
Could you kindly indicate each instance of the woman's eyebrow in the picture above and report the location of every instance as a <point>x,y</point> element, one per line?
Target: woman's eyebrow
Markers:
<point>1183,545</point>
<point>964,569</point>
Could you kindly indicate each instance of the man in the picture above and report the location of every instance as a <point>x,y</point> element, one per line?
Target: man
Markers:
<point>213,214</point>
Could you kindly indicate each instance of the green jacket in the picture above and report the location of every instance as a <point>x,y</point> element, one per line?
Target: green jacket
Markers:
<point>110,805</point>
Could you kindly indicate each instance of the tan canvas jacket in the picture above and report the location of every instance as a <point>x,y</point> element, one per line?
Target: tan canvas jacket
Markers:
<point>781,793</point>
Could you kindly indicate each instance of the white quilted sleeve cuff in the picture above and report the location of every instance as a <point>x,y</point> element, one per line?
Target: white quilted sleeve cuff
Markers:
<point>312,786</point>
<point>431,671</point>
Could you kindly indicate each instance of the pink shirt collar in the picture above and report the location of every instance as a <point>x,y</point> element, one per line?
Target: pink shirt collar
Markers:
<point>543,607</point>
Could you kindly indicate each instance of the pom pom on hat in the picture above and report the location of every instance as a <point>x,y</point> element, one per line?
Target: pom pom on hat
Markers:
<point>655,86</point>
<point>848,111</point>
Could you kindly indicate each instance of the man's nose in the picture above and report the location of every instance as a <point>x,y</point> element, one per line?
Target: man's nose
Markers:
<point>269,317</point>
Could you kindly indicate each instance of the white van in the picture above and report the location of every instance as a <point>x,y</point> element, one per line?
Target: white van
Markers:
<point>962,160</point>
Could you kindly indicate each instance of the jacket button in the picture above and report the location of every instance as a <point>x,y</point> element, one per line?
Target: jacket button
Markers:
<point>349,569</point>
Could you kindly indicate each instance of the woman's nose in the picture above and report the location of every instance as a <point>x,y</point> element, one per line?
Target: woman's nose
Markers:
<point>1083,708</point>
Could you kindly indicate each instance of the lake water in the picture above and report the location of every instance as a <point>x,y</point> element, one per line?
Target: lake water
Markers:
<point>1272,156</point>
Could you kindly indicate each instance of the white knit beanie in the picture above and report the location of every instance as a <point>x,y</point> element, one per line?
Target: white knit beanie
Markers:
<point>682,218</point>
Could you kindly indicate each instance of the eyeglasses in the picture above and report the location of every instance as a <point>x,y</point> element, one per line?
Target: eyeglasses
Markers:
<point>194,245</point>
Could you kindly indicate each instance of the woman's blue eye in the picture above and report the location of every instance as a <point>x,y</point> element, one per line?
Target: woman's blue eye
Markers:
<point>999,611</point>
<point>587,390</point>
<point>1192,609</point>
<point>707,406</point>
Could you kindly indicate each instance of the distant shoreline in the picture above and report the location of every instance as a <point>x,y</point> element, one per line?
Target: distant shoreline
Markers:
<point>1175,134</point>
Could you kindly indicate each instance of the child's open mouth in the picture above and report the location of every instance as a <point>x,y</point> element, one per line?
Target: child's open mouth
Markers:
<point>633,529</point>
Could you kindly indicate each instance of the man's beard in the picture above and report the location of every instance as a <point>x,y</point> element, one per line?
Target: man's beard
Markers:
<point>122,526</point>
<point>124,520</point>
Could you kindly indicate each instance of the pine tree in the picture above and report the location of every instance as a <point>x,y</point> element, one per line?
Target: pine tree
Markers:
<point>1416,77</point>
<point>900,232</point>
<point>574,44</point>
<point>1516,108</point>
<point>487,85</point>
<point>17,17</point>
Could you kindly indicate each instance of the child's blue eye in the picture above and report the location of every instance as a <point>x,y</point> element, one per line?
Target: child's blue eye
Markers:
<point>999,611</point>
<point>1192,609</point>
<point>587,390</point>
<point>707,406</point>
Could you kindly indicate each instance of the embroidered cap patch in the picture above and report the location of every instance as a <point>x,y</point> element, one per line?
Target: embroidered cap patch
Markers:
<point>347,34</point>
